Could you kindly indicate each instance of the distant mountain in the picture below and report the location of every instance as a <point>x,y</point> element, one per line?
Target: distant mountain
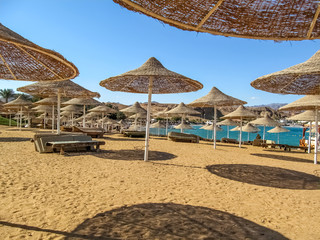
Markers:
<point>275,106</point>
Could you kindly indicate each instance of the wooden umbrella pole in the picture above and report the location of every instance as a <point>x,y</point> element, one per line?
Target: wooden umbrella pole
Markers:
<point>167,122</point>
<point>20,117</point>
<point>71,118</point>
<point>227,131</point>
<point>44,120</point>
<point>264,132</point>
<point>317,136</point>
<point>84,116</point>
<point>52,118</point>
<point>240,132</point>
<point>309,142</point>
<point>215,128</point>
<point>58,110</point>
<point>9,120</point>
<point>182,119</point>
<point>146,151</point>
<point>29,124</point>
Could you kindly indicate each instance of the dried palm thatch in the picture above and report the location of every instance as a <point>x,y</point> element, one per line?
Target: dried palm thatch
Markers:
<point>228,122</point>
<point>103,109</point>
<point>250,128</point>
<point>140,115</point>
<point>265,121</point>
<point>164,80</point>
<point>72,108</point>
<point>211,128</point>
<point>82,101</point>
<point>309,102</point>
<point>65,88</point>
<point>18,103</point>
<point>135,108</point>
<point>240,113</point>
<point>183,125</point>
<point>278,129</point>
<point>23,60</point>
<point>259,19</point>
<point>182,109</point>
<point>216,98</point>
<point>308,115</point>
<point>47,101</point>
<point>302,79</point>
<point>157,124</point>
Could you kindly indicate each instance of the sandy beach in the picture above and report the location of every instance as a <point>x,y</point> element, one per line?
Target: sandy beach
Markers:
<point>186,191</point>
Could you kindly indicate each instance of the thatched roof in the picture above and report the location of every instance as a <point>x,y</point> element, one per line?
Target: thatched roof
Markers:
<point>18,102</point>
<point>25,61</point>
<point>183,125</point>
<point>228,122</point>
<point>135,108</point>
<point>265,121</point>
<point>216,98</point>
<point>103,108</point>
<point>278,129</point>
<point>308,115</point>
<point>66,88</point>
<point>211,128</point>
<point>157,124</point>
<point>82,101</point>
<point>182,109</point>
<point>240,112</point>
<point>164,80</point>
<point>309,102</point>
<point>259,19</point>
<point>250,128</point>
<point>302,79</point>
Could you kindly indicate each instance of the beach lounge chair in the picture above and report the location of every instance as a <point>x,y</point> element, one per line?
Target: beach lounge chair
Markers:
<point>46,143</point>
<point>93,132</point>
<point>134,134</point>
<point>258,142</point>
<point>229,140</point>
<point>183,137</point>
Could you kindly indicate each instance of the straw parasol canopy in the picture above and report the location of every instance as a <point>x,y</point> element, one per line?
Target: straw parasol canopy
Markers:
<point>308,115</point>
<point>250,128</point>
<point>228,122</point>
<point>183,125</point>
<point>103,109</point>
<point>23,60</point>
<point>162,113</point>
<point>157,124</point>
<point>152,77</point>
<point>270,20</point>
<point>214,99</point>
<point>72,108</point>
<point>237,128</point>
<point>43,108</point>
<point>265,121</point>
<point>240,113</point>
<point>138,115</point>
<point>47,101</point>
<point>211,127</point>
<point>135,108</point>
<point>302,79</point>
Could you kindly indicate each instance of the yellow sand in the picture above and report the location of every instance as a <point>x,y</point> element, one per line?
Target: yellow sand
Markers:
<point>46,196</point>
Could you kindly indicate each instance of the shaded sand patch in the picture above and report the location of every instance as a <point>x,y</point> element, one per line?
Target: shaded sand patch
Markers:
<point>171,221</point>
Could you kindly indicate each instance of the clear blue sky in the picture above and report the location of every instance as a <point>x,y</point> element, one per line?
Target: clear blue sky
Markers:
<point>103,39</point>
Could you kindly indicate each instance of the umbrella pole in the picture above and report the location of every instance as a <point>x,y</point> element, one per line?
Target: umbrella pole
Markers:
<point>264,132</point>
<point>20,117</point>
<point>29,125</point>
<point>146,153</point>
<point>9,120</point>
<point>240,132</point>
<point>167,125</point>
<point>58,111</point>
<point>84,116</point>
<point>44,120</point>
<point>227,131</point>
<point>278,138</point>
<point>309,142</point>
<point>248,136</point>
<point>52,118</point>
<point>215,128</point>
<point>182,118</point>
<point>71,118</point>
<point>317,136</point>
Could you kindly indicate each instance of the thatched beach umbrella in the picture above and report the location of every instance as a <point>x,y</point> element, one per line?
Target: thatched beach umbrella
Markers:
<point>49,101</point>
<point>152,78</point>
<point>211,127</point>
<point>135,109</point>
<point>23,60</point>
<point>215,98</point>
<point>103,109</point>
<point>71,110</point>
<point>302,79</point>
<point>240,113</point>
<point>278,130</point>
<point>265,121</point>
<point>182,110</point>
<point>158,125</point>
<point>60,89</point>
<point>273,20</point>
<point>84,102</point>
<point>7,112</point>
<point>227,122</point>
<point>183,125</point>
<point>46,109</point>
<point>249,128</point>
<point>165,115</point>
<point>309,116</point>
<point>18,103</point>
<point>309,102</point>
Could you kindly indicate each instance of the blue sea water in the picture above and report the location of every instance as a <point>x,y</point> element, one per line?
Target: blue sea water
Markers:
<point>291,138</point>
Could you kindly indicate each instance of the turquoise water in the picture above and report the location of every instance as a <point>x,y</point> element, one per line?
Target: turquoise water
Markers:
<point>290,138</point>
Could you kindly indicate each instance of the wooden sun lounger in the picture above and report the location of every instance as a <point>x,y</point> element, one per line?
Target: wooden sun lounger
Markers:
<point>63,145</point>
<point>183,137</point>
<point>229,140</point>
<point>285,147</point>
<point>134,134</point>
<point>93,132</point>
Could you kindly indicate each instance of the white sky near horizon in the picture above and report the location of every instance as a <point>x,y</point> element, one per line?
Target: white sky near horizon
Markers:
<point>103,40</point>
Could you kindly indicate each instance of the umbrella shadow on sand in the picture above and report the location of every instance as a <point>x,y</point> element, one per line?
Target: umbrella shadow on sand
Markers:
<point>171,221</point>
<point>281,157</point>
<point>126,154</point>
<point>266,176</point>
